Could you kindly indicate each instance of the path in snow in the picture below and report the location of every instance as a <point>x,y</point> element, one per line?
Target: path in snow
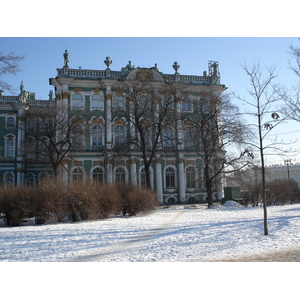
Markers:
<point>131,243</point>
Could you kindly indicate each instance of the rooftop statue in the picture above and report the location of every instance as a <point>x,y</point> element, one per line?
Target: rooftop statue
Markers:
<point>22,87</point>
<point>128,68</point>
<point>66,59</point>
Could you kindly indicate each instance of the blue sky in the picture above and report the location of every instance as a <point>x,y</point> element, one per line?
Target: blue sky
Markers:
<point>42,55</point>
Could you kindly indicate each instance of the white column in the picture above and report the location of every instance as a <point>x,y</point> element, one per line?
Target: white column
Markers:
<point>181,179</point>
<point>158,178</point>
<point>108,120</point>
<point>20,157</point>
<point>133,174</point>
<point>109,173</point>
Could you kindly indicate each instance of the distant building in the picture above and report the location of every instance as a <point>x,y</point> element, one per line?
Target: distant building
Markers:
<point>253,175</point>
<point>176,172</point>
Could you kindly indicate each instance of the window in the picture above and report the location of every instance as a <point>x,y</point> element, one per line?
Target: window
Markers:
<point>192,199</point>
<point>171,200</point>
<point>168,136</point>
<point>119,135</point>
<point>10,141</point>
<point>170,178</point>
<point>43,148</point>
<point>9,178</point>
<point>30,125</point>
<point>78,135</point>
<point>77,174</point>
<point>190,177</point>
<point>188,136</point>
<point>118,102</point>
<point>30,179</point>
<point>98,175</point>
<point>167,104</point>
<point>186,104</point>
<point>97,101</point>
<point>143,177</point>
<point>77,101</point>
<point>120,175</point>
<point>10,122</point>
<point>97,133</point>
<point>30,148</point>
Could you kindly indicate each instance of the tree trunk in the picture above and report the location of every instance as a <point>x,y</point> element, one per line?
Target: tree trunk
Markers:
<point>208,185</point>
<point>147,174</point>
<point>262,171</point>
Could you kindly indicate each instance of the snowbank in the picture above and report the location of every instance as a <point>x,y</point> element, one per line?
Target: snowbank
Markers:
<point>194,234</point>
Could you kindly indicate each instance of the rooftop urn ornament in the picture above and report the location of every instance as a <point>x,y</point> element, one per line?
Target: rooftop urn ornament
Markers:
<point>66,59</point>
<point>108,62</point>
<point>176,66</point>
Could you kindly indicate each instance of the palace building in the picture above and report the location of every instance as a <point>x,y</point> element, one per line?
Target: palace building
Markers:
<point>132,126</point>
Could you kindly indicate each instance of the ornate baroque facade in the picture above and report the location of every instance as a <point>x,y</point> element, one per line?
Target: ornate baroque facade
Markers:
<point>176,172</point>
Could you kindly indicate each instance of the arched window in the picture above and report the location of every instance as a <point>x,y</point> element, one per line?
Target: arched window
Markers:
<point>118,102</point>
<point>77,101</point>
<point>143,177</point>
<point>10,145</point>
<point>170,178</point>
<point>119,135</point>
<point>77,133</point>
<point>187,136</point>
<point>186,104</point>
<point>9,178</point>
<point>98,175</point>
<point>168,136</point>
<point>30,179</point>
<point>120,175</point>
<point>10,122</point>
<point>192,199</point>
<point>30,149</point>
<point>97,133</point>
<point>171,200</point>
<point>190,177</point>
<point>97,101</point>
<point>77,174</point>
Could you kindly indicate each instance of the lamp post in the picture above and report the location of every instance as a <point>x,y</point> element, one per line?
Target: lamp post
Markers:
<point>287,162</point>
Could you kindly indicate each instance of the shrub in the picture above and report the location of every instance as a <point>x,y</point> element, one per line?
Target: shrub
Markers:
<point>107,200</point>
<point>15,204</point>
<point>51,200</point>
<point>136,199</point>
<point>82,201</point>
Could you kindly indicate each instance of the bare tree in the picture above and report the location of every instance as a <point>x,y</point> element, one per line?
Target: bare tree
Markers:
<point>51,132</point>
<point>216,126</point>
<point>295,54</point>
<point>150,109</point>
<point>9,64</point>
<point>261,101</point>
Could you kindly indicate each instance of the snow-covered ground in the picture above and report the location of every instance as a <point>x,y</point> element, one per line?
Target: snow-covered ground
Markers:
<point>176,234</point>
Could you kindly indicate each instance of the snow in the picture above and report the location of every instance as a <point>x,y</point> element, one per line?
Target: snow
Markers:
<point>177,234</point>
<point>188,235</point>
